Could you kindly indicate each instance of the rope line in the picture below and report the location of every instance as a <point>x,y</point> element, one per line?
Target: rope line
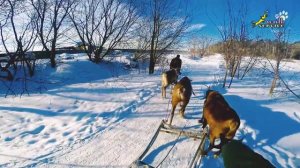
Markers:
<point>176,141</point>
<point>168,113</point>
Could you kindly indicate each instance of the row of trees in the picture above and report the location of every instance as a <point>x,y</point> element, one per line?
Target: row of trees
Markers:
<point>28,23</point>
<point>100,26</point>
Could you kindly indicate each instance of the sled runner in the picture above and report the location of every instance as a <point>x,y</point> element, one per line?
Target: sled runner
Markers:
<point>165,128</point>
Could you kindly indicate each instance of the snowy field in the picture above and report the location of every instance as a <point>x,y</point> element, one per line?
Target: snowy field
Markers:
<point>86,115</point>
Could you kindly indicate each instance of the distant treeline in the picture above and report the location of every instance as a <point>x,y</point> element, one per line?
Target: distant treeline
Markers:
<point>45,55</point>
<point>264,48</point>
<point>76,50</point>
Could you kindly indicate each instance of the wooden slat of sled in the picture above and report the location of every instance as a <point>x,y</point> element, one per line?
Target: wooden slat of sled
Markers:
<point>165,128</point>
<point>190,134</point>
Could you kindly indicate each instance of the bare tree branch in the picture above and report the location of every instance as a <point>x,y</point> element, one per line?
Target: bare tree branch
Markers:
<point>102,25</point>
<point>50,15</point>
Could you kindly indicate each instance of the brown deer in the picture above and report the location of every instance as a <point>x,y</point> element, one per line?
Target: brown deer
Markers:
<point>222,119</point>
<point>181,93</point>
<point>167,78</point>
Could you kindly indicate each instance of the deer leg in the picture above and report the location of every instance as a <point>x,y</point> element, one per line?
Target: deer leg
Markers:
<point>211,145</point>
<point>163,91</point>
<point>203,122</point>
<point>172,113</point>
<point>219,146</point>
<point>172,86</point>
<point>182,110</point>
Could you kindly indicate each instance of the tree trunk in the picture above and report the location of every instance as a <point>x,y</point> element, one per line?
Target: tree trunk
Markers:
<point>97,53</point>
<point>152,52</point>
<point>238,67</point>
<point>52,53</point>
<point>232,73</point>
<point>231,79</point>
<point>152,63</point>
<point>225,78</point>
<point>273,86</point>
<point>52,58</point>
<point>276,77</point>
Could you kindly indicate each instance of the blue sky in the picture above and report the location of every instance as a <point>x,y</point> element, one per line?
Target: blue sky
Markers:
<point>204,11</point>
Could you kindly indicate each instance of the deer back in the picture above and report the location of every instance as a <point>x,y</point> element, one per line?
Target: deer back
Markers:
<point>170,76</point>
<point>218,108</point>
<point>182,90</point>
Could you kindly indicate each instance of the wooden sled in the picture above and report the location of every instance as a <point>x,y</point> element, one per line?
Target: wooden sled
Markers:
<point>163,127</point>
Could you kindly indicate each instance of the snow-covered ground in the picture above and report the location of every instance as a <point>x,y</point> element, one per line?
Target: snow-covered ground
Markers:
<point>86,115</point>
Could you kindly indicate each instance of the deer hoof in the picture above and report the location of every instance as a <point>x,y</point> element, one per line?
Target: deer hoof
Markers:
<point>204,153</point>
<point>200,121</point>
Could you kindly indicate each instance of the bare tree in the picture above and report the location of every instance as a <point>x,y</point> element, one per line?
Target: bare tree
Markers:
<point>200,45</point>
<point>17,37</point>
<point>142,40</point>
<point>50,16</point>
<point>194,42</point>
<point>204,44</point>
<point>234,36</point>
<point>281,52</point>
<point>166,28</point>
<point>254,52</point>
<point>102,25</point>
